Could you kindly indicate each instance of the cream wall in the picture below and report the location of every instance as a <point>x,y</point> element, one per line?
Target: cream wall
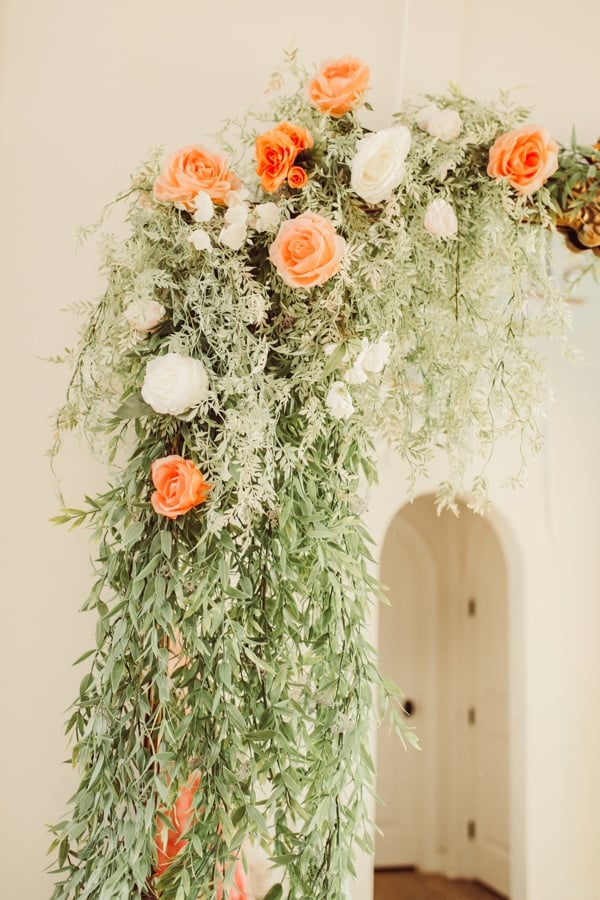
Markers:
<point>85,89</point>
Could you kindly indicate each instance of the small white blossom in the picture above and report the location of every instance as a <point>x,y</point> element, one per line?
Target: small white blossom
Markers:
<point>267,217</point>
<point>204,207</point>
<point>200,239</point>
<point>371,360</point>
<point>174,383</point>
<point>339,402</point>
<point>440,219</point>
<point>444,124</point>
<point>144,315</point>
<point>234,197</point>
<point>237,214</point>
<point>233,236</point>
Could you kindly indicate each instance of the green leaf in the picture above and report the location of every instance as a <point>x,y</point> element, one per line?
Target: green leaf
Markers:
<point>275,893</point>
<point>133,408</point>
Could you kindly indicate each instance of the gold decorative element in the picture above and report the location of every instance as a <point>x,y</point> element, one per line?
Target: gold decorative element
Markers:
<point>580,223</point>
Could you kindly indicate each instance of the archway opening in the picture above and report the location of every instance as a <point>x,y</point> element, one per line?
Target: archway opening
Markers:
<point>444,639</point>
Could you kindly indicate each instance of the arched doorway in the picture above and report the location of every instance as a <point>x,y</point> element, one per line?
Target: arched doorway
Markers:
<point>445,640</point>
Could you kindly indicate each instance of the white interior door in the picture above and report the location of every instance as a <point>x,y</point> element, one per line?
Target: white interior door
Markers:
<point>405,779</point>
<point>490,729</point>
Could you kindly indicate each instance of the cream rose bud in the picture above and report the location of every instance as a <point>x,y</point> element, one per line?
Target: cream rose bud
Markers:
<point>440,219</point>
<point>174,383</point>
<point>200,239</point>
<point>237,214</point>
<point>339,402</point>
<point>444,124</point>
<point>371,360</point>
<point>267,217</point>
<point>378,165</point>
<point>204,207</point>
<point>144,315</point>
<point>375,356</point>
<point>233,236</point>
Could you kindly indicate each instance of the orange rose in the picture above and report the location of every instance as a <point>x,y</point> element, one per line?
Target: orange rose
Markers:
<point>191,170</point>
<point>169,846</point>
<point>338,86</point>
<point>307,251</point>
<point>179,820</point>
<point>276,151</point>
<point>179,486</point>
<point>525,157</point>
<point>297,177</point>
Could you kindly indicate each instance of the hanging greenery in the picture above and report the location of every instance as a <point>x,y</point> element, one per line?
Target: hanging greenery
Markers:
<point>271,315</point>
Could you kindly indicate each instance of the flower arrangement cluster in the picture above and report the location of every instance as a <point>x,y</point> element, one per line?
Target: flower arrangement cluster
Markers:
<point>271,315</point>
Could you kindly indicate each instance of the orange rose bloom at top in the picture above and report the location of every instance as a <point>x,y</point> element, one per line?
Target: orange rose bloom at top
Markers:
<point>525,157</point>
<point>339,85</point>
<point>191,170</point>
<point>179,486</point>
<point>307,251</point>
<point>276,152</point>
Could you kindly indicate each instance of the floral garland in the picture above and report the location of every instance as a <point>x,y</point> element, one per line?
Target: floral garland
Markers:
<point>258,332</point>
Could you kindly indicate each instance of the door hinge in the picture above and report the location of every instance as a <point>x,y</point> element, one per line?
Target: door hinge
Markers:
<point>471,830</point>
<point>471,715</point>
<point>472,606</point>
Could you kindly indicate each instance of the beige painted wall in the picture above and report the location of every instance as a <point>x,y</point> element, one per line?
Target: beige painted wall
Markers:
<point>85,89</point>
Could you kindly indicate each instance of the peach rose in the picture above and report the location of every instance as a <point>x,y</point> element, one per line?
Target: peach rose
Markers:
<point>338,86</point>
<point>191,170</point>
<point>297,177</point>
<point>307,251</point>
<point>179,821</point>
<point>179,486</point>
<point>525,157</point>
<point>276,152</point>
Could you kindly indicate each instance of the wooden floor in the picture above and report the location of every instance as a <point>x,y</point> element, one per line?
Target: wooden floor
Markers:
<point>401,885</point>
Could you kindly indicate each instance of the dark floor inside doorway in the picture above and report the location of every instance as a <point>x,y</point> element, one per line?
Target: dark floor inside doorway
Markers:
<point>398,884</point>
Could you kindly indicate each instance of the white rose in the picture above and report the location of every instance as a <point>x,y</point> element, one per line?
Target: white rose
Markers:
<point>200,239</point>
<point>233,236</point>
<point>444,124</point>
<point>440,219</point>
<point>378,165</point>
<point>267,217</point>
<point>339,402</point>
<point>144,315</point>
<point>204,207</point>
<point>174,383</point>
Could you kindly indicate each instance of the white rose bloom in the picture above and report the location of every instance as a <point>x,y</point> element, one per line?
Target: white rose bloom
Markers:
<point>440,219</point>
<point>233,236</point>
<point>444,124</point>
<point>339,402</point>
<point>174,383</point>
<point>200,239</point>
<point>144,315</point>
<point>267,217</point>
<point>204,207</point>
<point>378,165</point>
